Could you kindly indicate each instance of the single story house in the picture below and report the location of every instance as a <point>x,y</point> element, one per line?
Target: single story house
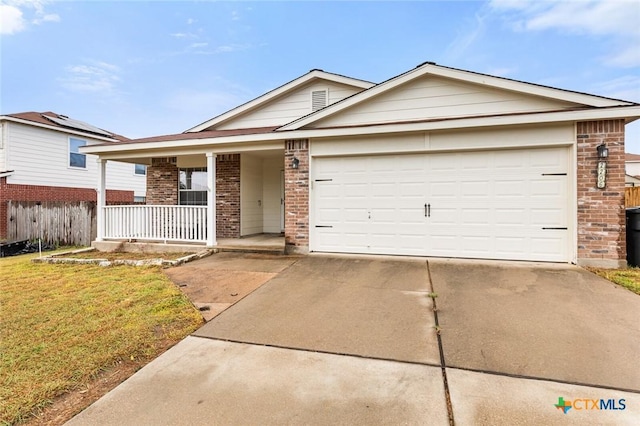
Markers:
<point>40,161</point>
<point>436,161</point>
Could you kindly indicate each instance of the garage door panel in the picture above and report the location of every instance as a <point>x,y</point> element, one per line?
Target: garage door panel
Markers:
<point>474,216</point>
<point>511,216</point>
<point>475,189</point>
<point>329,215</point>
<point>547,248</point>
<point>548,187</point>
<point>444,217</point>
<point>547,217</point>
<point>446,189</point>
<point>509,188</point>
<point>489,204</point>
<point>354,216</point>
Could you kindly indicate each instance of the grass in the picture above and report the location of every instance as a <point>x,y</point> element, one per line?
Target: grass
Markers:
<point>62,325</point>
<point>628,278</point>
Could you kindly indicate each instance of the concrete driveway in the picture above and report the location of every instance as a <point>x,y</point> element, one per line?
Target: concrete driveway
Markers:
<point>344,340</point>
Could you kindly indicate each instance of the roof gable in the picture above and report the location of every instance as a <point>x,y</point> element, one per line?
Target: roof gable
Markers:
<point>435,92</point>
<point>283,104</point>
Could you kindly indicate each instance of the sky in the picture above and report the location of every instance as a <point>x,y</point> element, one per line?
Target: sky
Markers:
<point>146,68</point>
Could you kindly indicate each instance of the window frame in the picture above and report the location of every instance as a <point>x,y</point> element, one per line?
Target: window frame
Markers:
<point>71,153</point>
<point>135,169</point>
<point>191,190</point>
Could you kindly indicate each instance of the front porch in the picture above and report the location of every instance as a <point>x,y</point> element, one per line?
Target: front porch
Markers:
<point>229,201</point>
<point>260,243</point>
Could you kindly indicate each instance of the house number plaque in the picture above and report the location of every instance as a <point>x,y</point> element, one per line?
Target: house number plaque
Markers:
<point>602,174</point>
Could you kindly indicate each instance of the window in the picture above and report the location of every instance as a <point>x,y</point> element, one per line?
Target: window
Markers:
<point>139,199</point>
<point>193,187</point>
<point>76,158</point>
<point>140,169</point>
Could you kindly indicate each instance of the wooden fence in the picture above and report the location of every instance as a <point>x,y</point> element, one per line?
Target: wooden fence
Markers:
<point>64,223</point>
<point>632,196</point>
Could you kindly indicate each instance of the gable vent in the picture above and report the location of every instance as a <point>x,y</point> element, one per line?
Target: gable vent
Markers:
<point>319,99</point>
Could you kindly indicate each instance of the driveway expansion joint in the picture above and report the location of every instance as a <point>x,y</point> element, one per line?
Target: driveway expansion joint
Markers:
<point>317,351</point>
<point>546,379</point>
<point>443,366</point>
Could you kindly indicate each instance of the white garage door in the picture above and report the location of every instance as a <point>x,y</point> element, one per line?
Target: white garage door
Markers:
<point>510,204</point>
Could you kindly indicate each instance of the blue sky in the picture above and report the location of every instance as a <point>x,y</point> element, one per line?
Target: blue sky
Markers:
<point>149,68</point>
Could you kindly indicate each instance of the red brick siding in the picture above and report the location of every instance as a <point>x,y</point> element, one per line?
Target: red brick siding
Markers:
<point>601,212</point>
<point>15,192</point>
<point>162,182</point>
<point>296,182</point>
<point>228,196</point>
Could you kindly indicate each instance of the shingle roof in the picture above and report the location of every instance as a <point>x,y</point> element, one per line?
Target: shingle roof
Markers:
<point>39,117</point>
<point>631,157</point>
<point>205,134</point>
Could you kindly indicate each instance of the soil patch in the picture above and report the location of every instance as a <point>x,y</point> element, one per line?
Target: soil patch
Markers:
<point>111,256</point>
<point>71,403</point>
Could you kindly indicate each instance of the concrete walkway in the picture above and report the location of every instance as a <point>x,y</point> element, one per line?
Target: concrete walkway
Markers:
<point>340,340</point>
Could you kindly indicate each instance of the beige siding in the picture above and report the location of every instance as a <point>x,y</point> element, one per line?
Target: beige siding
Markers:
<point>41,157</point>
<point>632,169</point>
<point>271,178</point>
<point>250,195</point>
<point>436,98</point>
<point>470,139</point>
<point>289,107</point>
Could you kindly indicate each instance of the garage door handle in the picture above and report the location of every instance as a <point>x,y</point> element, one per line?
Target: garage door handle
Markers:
<point>324,226</point>
<point>427,210</point>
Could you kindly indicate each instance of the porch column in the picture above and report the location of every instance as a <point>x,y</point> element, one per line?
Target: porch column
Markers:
<point>101,198</point>
<point>211,199</point>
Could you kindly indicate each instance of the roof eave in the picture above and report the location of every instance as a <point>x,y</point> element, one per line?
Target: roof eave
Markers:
<point>630,113</point>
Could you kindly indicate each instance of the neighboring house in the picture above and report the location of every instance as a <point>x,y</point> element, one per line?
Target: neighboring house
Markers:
<point>437,161</point>
<point>632,169</point>
<point>40,160</point>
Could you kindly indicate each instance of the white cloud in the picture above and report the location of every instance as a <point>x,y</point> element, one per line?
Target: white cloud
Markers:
<point>626,88</point>
<point>11,19</point>
<point>191,21</point>
<point>15,15</point>
<point>232,48</point>
<point>459,46</point>
<point>183,35</point>
<point>50,17</point>
<point>204,49</point>
<point>617,19</point>
<point>97,77</point>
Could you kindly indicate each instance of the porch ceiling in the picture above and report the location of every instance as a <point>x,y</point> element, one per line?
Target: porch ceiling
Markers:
<point>193,159</point>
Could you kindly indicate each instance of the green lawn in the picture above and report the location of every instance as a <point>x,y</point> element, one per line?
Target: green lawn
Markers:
<point>64,324</point>
<point>628,278</point>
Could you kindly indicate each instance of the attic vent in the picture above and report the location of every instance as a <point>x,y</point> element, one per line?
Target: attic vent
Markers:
<point>319,99</point>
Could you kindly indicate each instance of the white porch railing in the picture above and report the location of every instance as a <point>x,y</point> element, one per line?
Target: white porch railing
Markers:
<point>164,223</point>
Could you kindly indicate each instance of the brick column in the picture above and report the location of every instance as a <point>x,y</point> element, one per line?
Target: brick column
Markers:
<point>601,212</point>
<point>228,196</point>
<point>162,182</point>
<point>296,184</point>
